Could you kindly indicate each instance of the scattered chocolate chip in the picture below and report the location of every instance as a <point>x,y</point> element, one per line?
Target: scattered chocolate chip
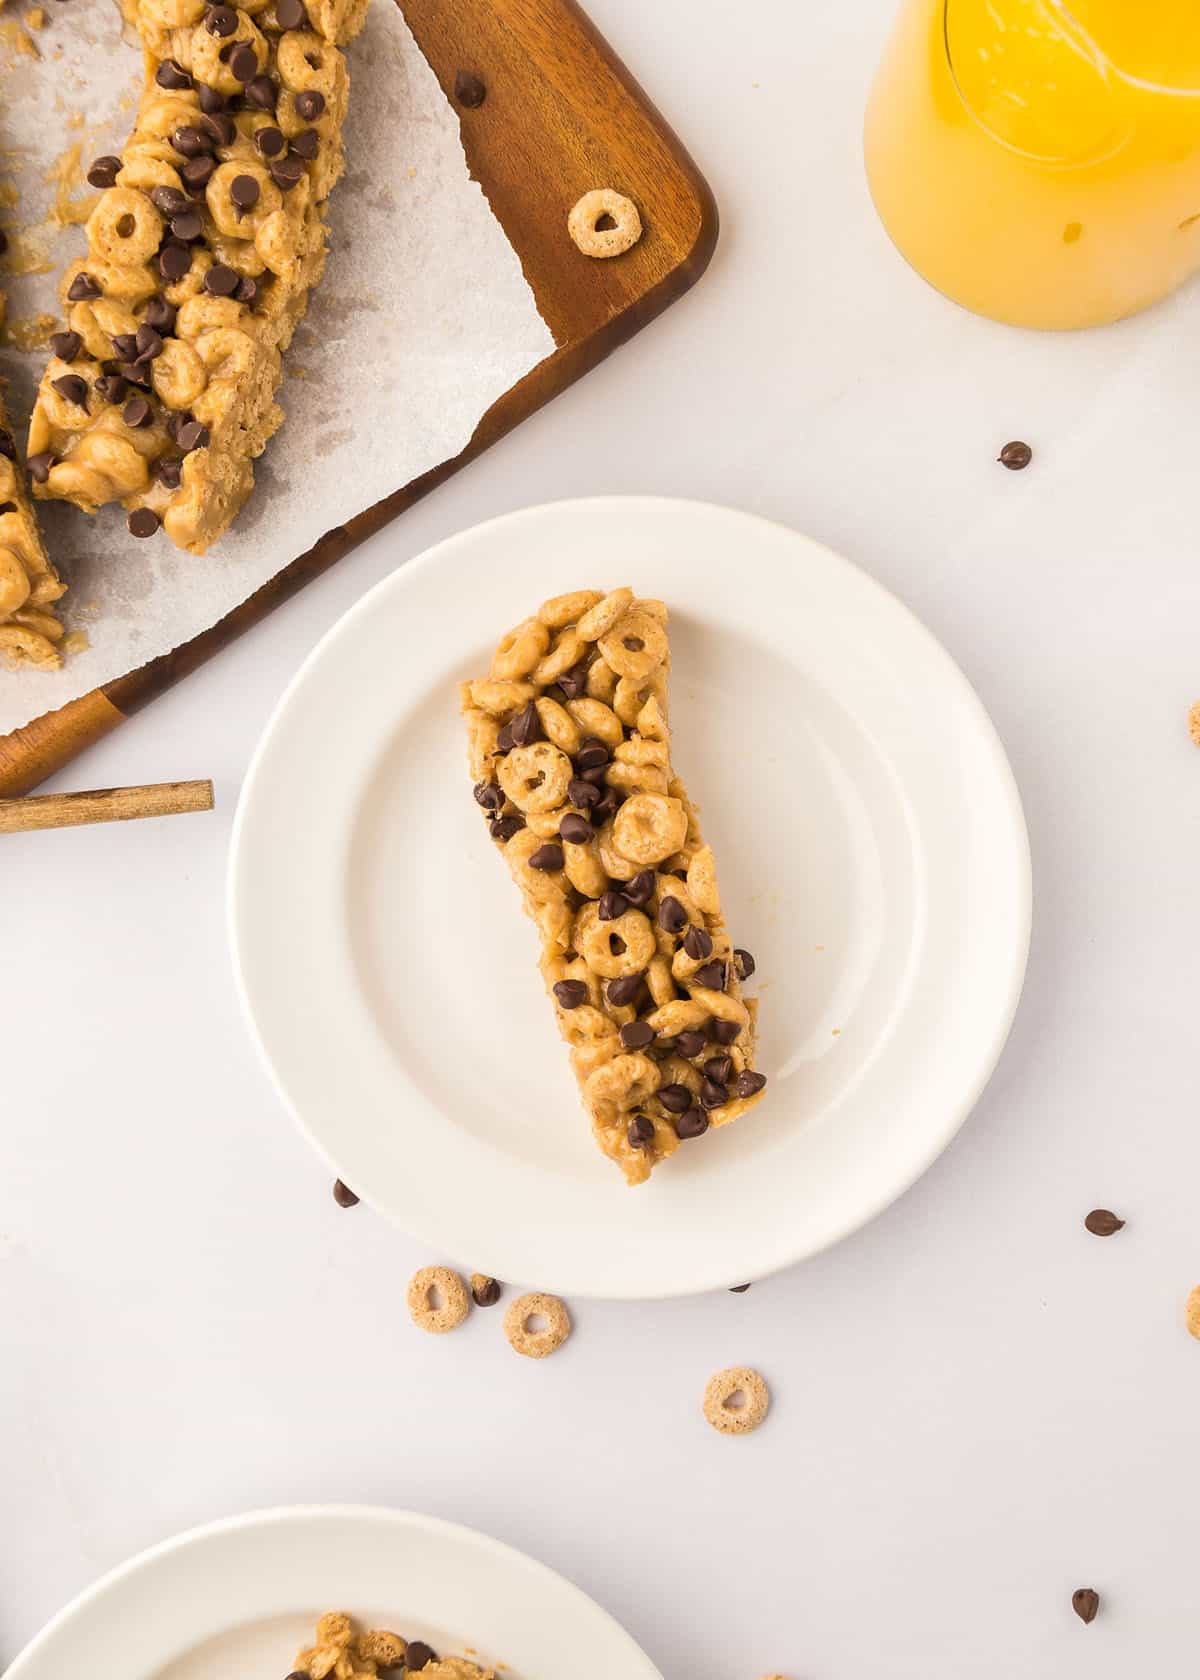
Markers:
<point>574,828</point>
<point>169,471</point>
<point>287,172</point>
<point>38,466</point>
<point>142,522</point>
<point>526,727</point>
<point>221,21</point>
<point>160,315</point>
<point>198,171</point>
<point>748,1083</point>
<point>505,827</point>
<point>570,993</point>
<point>83,287</point>
<point>418,1654</point>
<point>174,261</point>
<point>243,62</point>
<point>262,92</point>
<point>690,1044</point>
<point>343,1195</point>
<point>71,388</point>
<point>489,794</point>
<point>641,1131</point>
<point>592,755</point>
<point>136,373</point>
<point>1101,1223</point>
<point>1015,455</point>
<point>220,125</point>
<point>169,200</point>
<point>309,104</point>
<point>290,14</point>
<point>111,387</point>
<point>712,976</point>
<point>210,99</point>
<point>7,447</point>
<point>221,280</point>
<point>712,1095</point>
<point>640,890</point>
<point>65,345</point>
<point>247,291</point>
<point>191,435</point>
<point>596,776</point>
<point>724,1032</point>
<point>697,942</point>
<point>149,343</point>
<point>692,1124</point>
<point>743,962</point>
<point>244,190</point>
<point>191,142</point>
<point>739,1288</point>
<point>573,682</point>
<point>1085,1601</point>
<point>137,412</point>
<point>125,345</point>
<point>548,856</point>
<point>269,140</point>
<point>306,144</point>
<point>672,917</point>
<point>611,906</point>
<point>719,1068</point>
<point>485,1291</point>
<point>582,793</point>
<point>469,90</point>
<point>104,172</point>
<point>172,75</point>
<point>187,226</point>
<point>604,807</point>
<point>635,1035</point>
<point>676,1099</point>
<point>624,991</point>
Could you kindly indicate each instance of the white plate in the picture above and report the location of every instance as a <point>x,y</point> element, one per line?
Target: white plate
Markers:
<point>237,1600</point>
<point>871,850</point>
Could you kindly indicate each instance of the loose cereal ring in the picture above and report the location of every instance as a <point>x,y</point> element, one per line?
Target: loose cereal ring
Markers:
<point>736,1400</point>
<point>524,1338</point>
<point>583,224</point>
<point>437,1299</point>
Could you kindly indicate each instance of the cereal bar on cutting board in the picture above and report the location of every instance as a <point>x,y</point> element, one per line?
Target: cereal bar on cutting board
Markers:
<point>207,239</point>
<point>29,586</point>
<point>571,756</point>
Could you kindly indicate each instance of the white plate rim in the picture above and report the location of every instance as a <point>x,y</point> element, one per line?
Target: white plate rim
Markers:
<point>26,1665</point>
<point>988,740</point>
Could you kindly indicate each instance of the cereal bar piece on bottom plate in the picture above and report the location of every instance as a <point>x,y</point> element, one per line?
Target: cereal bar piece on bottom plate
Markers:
<point>29,585</point>
<point>571,757</point>
<point>201,255</point>
<point>341,1653</point>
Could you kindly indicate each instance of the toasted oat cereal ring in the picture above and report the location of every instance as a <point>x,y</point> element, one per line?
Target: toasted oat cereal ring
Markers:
<point>592,208</point>
<point>726,1386</point>
<point>536,1344</point>
<point>1191,1313</point>
<point>456,1302</point>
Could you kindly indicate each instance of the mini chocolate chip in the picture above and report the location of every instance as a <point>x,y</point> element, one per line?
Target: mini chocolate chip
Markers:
<point>262,92</point>
<point>743,962</point>
<point>469,90</point>
<point>65,345</point>
<point>612,905</point>
<point>719,1068</point>
<point>697,942</point>
<point>38,466</point>
<point>573,682</point>
<point>174,261</point>
<point>485,1291</point>
<point>1015,455</point>
<point>137,412</point>
<point>111,387</point>
<point>672,917</point>
<point>243,63</point>
<point>748,1083</point>
<point>505,827</point>
<point>692,1124</point>
<point>738,1288</point>
<point>635,1035</point>
<point>343,1195</point>
<point>576,829</point>
<point>221,280</point>
<point>1101,1223</point>
<point>570,993</point>
<point>220,125</point>
<point>290,14</point>
<point>247,291</point>
<point>197,172</point>
<point>169,471</point>
<point>641,889</point>
<point>418,1654</point>
<point>169,200</point>
<point>7,447</point>
<point>125,345</point>
<point>103,172</point>
<point>309,104</point>
<point>592,755</point>
<point>526,727</point>
<point>142,522</point>
<point>83,287</point>
<point>221,21</point>
<point>675,1098</point>
<point>191,142</point>
<point>625,990</point>
<point>690,1043</point>
<point>170,74</point>
<point>160,315</point>
<point>72,389</point>
<point>641,1131</point>
<point>269,140</point>
<point>582,793</point>
<point>244,190</point>
<point>489,794</point>
<point>712,1095</point>
<point>712,975</point>
<point>306,144</point>
<point>548,856</point>
<point>724,1032</point>
<point>149,343</point>
<point>211,99</point>
<point>1085,1601</point>
<point>191,435</point>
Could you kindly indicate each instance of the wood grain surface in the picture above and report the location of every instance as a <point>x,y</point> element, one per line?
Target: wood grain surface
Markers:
<point>562,115</point>
<point>100,805</point>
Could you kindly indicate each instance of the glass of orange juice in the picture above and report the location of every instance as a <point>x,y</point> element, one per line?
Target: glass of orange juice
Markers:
<point>1039,160</point>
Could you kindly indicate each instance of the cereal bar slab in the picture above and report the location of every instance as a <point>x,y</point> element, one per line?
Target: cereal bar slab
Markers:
<point>29,586</point>
<point>207,238</point>
<point>340,1652</point>
<point>571,756</point>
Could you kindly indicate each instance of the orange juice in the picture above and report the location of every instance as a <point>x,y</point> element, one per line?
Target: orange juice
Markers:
<point>1039,160</point>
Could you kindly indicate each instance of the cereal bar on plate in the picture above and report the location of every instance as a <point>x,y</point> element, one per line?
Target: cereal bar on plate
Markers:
<point>207,239</point>
<point>571,755</point>
<point>340,1653</point>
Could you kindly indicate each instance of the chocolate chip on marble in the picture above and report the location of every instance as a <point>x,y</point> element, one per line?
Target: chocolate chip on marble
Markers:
<point>221,21</point>
<point>1103,1223</point>
<point>697,942</point>
<point>142,522</point>
<point>692,1124</point>
<point>171,74</point>
<point>1085,1601</point>
<point>243,62</point>
<point>712,976</point>
<point>485,1291</point>
<point>738,1288</point>
<point>635,1035</point>
<point>570,993</point>
<point>672,917</point>
<point>1015,456</point>
<point>690,1043</point>
<point>625,991</point>
<point>306,144</point>
<point>675,1098</point>
<point>244,191</point>
<point>744,963</point>
<point>261,92</point>
<point>104,172</point>
<point>548,857</point>
<point>83,288</point>
<point>309,104</point>
<point>65,345</point>
<point>641,1131</point>
<point>724,1032</point>
<point>612,905</point>
<point>269,140</point>
<point>748,1083</point>
<point>343,1195</point>
<point>38,466</point>
<point>221,280</point>
<point>575,829</point>
<point>137,412</point>
<point>71,388</point>
<point>174,260</point>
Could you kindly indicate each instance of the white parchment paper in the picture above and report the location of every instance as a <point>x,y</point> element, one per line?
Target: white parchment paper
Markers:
<point>423,319</point>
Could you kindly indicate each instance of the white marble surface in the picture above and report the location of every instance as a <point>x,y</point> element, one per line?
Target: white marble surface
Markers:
<point>979,1407</point>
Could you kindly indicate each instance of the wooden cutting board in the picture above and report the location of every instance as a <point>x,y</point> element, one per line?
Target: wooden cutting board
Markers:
<point>561,115</point>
